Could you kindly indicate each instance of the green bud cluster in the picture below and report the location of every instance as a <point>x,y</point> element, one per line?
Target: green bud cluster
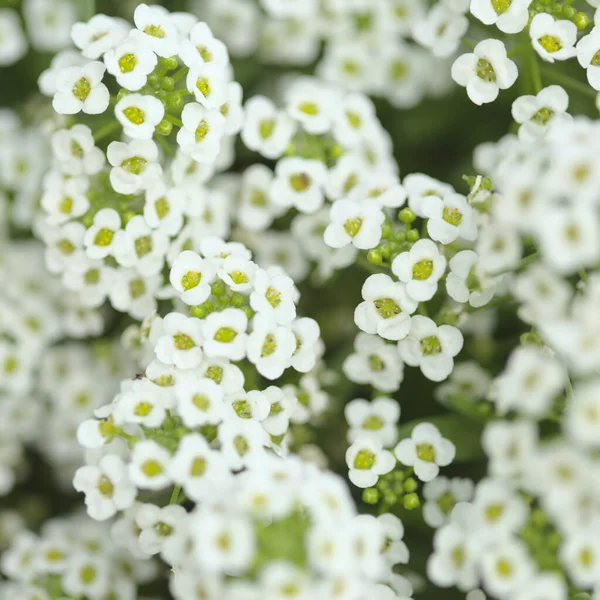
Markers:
<point>395,488</point>
<point>542,539</point>
<point>560,10</point>
<point>222,298</point>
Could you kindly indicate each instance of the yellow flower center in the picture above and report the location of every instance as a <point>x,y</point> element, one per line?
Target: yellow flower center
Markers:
<point>426,452</point>
<point>127,63</point>
<point>135,115</point>
<point>202,131</point>
<point>201,401</point>
<point>452,216</point>
<point>273,297</point>
<point>190,280</point>
<point>352,226</point>
<point>300,182</point>
<point>387,308</point>
<point>266,128</point>
<point>422,270</point>
<point>550,43</point>
<point>430,346</point>
<point>104,237</point>
<point>501,6</point>
<point>65,206</point>
<point>81,89</point>
<point>269,346</point>
<point>183,341</point>
<point>364,460</point>
<point>152,468</point>
<point>309,108</point>
<point>135,165</point>
<point>204,87</point>
<point>155,31</point>
<point>105,486</point>
<point>485,71</point>
<point>225,335</point>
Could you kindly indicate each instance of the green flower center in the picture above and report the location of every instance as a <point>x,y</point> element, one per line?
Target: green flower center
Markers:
<point>398,70</point>
<point>143,409</point>
<point>155,31</point>
<point>373,423</point>
<point>458,556</point>
<point>127,63</point>
<point>350,183</point>
<point>364,460</point>
<point>104,237</point>
<point>387,308</point>
<point>238,277</point>
<point>269,346</point>
<point>204,87</point>
<point>162,207</point>
<point>190,280</point>
<point>152,468</point>
<point>201,401</point>
<point>504,568</point>
<point>485,71</point>
<point>550,43</point>
<point>242,409</point>
<point>214,373</point>
<point>135,115</point>
<point>135,165</point>
<point>76,149</point>
<point>596,59</point>
<point>202,131</point>
<point>300,182</point>
<point>501,6</point>
<point>65,246</point>
<point>309,108</point>
<point>452,216</point>
<point>266,128</point>
<point>257,198</point>
<point>137,288</point>
<point>241,445</point>
<point>446,502</point>
<point>88,574</point>
<point>162,529</point>
<point>354,119</point>
<point>225,335</point>
<point>183,341</point>
<point>426,452</point>
<point>431,346</point>
<point>542,116</point>
<point>65,206</point>
<point>273,297</point>
<point>92,276</point>
<point>352,226</point>
<point>81,89</point>
<point>376,363</point>
<point>198,467</point>
<point>205,53</point>
<point>423,269</point>
<point>493,512</point>
<point>105,486</point>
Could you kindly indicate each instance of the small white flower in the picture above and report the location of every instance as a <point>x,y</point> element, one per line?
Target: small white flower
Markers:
<point>100,237</point>
<point>75,151</point>
<point>13,44</point>
<point>202,131</point>
<point>156,29</point>
<point>420,269</point>
<point>485,71</point>
<point>98,35</point>
<point>537,113</point>
<point>199,402</point>
<point>299,183</point>
<point>238,273</point>
<point>426,451</point>
<point>431,348</point>
<point>274,296</point>
<point>580,555</point>
<point>374,362</point>
<point>106,487</point>
<point>135,166</point>
<point>588,50</point>
<point>270,346</point>
<point>266,129</point>
<point>81,89</point>
<point>143,404</point>
<point>309,346</point>
<point>386,308</point>
<point>158,526</point>
<point>466,282</point>
<point>130,63</point>
<point>310,103</point>
<point>553,40</point>
<point>367,460</point>
<point>65,199</point>
<point>441,31</point>
<point>395,550</point>
<point>192,277</point>
<point>375,420</point>
<point>468,380</point>
<point>544,585</point>
<point>232,108</point>
<point>241,441</point>
<point>225,334</point>
<point>134,293</point>
<point>281,408</point>
<point>139,115</point>
<point>505,567</point>
<point>163,209</point>
<point>353,120</point>
<point>208,82</point>
<point>582,416</point>
<point>149,464</point>
<point>202,47</point>
<point>442,495</point>
<point>380,188</point>
<point>180,345</point>
<point>356,223</point>
<point>420,187</point>
<point>450,218</point>
<point>510,16</point>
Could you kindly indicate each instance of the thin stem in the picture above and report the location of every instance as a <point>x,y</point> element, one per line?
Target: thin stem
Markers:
<point>517,267</point>
<point>106,130</point>
<point>467,43</point>
<point>570,82</point>
<point>173,120</point>
<point>164,144</point>
<point>175,495</point>
<point>536,76</point>
<point>179,74</point>
<point>87,10</point>
<point>518,49</point>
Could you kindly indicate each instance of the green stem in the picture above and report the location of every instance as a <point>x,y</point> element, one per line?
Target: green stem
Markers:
<point>175,495</point>
<point>164,144</point>
<point>422,309</point>
<point>520,265</point>
<point>470,44</point>
<point>181,73</point>
<point>87,9</point>
<point>519,48</point>
<point>569,82</point>
<point>173,120</point>
<point>536,76</point>
<point>106,130</point>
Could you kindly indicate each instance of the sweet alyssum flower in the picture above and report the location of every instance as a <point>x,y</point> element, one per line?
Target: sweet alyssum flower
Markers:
<point>270,346</point>
<point>465,281</point>
<point>441,30</point>
<point>135,165</point>
<point>130,63</point>
<point>367,460</point>
<point>75,151</point>
<point>202,131</point>
<point>426,451</point>
<point>553,40</point>
<point>202,47</point>
<point>386,308</point>
<point>375,420</point>
<point>510,16</point>
<point>81,89</point>
<point>139,115</point>
<point>356,223</point>
<point>225,334</point>
<point>588,49</point>
<point>156,30</point>
<point>486,71</point>
<point>13,44</point>
<point>98,35</point>
<point>181,342</point>
<point>449,217</point>
<point>100,237</point>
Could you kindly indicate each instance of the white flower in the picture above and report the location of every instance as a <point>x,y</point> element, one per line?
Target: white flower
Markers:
<point>92,279</point>
<point>135,166</point>
<point>420,269</point>
<point>196,467</point>
<point>100,237</point>
<point>441,31</point>
<point>49,25</point>
<point>139,115</point>
<point>156,29</point>
<point>225,334</point>
<point>274,296</point>
<point>485,71</point>
<point>354,223</point>
<point>426,451</point>
<point>199,402</point>
<point>510,16</point>
<point>466,282</point>
<point>163,209</point>
<point>202,47</point>
<point>106,487</point>
<point>441,496</point>
<point>353,120</point>
<point>133,293</point>
<point>374,362</point>
<point>270,346</point>
<point>588,48</point>
<point>241,441</point>
<point>505,567</point>
<point>299,183</point>
<point>395,550</point>
<point>367,460</point>
<point>148,467</point>
<point>386,308</point>
<point>256,209</point>
<point>420,187</point>
<point>309,346</point>
<point>98,35</point>
<point>238,273</point>
<point>65,199</point>
<point>143,403</point>
<point>450,218</point>
<point>553,40</point>
<point>75,151</point>
<point>380,188</point>
<point>87,575</point>
<point>202,131</point>
<point>192,277</point>
<point>13,44</point>
<point>373,420</point>
<point>141,247</point>
<point>582,414</point>
<point>544,585</point>
<point>208,82</point>
<point>311,104</point>
<point>180,345</point>
<point>81,89</point>
<point>266,129</point>
<point>530,382</point>
<point>537,113</point>
<point>158,526</point>
<point>281,408</point>
<point>232,108</point>
<point>580,555</point>
<point>130,63</point>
